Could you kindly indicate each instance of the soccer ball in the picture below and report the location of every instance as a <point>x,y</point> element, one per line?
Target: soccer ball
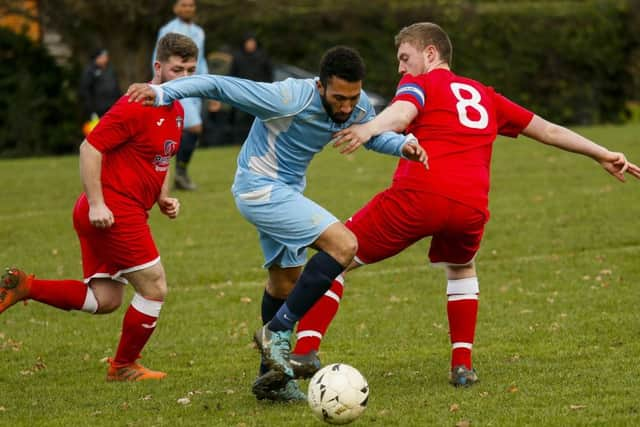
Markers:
<point>338,393</point>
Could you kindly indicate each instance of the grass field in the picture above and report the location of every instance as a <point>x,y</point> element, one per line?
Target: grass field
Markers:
<point>558,336</point>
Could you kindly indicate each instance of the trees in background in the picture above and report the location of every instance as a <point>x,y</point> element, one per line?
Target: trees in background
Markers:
<point>577,62</point>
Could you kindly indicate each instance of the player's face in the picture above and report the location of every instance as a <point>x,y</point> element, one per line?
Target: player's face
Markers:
<point>185,9</point>
<point>339,98</point>
<point>176,67</point>
<point>410,60</point>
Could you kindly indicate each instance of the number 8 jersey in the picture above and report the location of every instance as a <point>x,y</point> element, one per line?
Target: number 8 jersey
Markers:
<point>458,121</point>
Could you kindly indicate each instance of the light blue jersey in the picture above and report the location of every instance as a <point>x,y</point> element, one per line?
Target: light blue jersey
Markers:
<point>192,106</point>
<point>291,126</point>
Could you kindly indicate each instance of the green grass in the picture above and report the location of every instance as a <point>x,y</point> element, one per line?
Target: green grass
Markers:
<point>557,339</point>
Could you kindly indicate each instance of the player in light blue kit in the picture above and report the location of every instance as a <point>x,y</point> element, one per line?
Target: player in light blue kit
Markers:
<point>185,11</point>
<point>295,119</point>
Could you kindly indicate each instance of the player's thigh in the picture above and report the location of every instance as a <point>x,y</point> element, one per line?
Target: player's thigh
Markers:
<point>392,221</point>
<point>459,241</point>
<point>126,246</point>
<point>109,294</point>
<point>287,222</point>
<point>339,242</point>
<point>150,282</point>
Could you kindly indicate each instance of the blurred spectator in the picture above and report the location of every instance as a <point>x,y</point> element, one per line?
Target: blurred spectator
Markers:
<point>249,62</point>
<point>99,88</point>
<point>185,11</point>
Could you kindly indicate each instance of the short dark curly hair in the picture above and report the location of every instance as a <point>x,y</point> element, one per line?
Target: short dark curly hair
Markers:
<point>343,62</point>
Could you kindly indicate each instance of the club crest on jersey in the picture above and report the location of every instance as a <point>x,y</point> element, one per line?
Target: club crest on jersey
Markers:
<point>161,162</point>
<point>179,122</point>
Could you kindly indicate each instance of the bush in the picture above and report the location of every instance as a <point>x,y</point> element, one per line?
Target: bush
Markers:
<point>570,61</point>
<point>37,112</point>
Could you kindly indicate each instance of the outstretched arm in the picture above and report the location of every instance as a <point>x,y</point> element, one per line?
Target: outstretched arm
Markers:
<point>263,100</point>
<point>395,117</point>
<point>558,136</point>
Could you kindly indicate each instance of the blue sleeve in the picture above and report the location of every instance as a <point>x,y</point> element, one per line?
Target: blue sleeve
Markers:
<point>387,142</point>
<point>263,100</point>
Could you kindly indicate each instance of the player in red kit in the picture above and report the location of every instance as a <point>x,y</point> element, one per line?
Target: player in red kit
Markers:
<point>456,120</point>
<point>124,165</point>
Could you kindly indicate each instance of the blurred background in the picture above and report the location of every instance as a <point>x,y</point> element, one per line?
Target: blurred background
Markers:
<point>574,62</point>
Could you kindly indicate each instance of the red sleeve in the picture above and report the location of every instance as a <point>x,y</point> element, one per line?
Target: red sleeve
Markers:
<point>512,118</point>
<point>116,126</point>
<point>411,89</point>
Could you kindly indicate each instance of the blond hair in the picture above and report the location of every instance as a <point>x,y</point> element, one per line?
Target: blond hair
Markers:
<point>423,34</point>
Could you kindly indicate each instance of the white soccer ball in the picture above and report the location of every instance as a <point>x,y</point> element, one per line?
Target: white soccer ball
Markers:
<point>338,393</point>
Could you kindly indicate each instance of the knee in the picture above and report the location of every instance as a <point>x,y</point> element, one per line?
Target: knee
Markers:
<point>155,290</point>
<point>346,248</point>
<point>152,285</point>
<point>279,289</point>
<point>108,303</point>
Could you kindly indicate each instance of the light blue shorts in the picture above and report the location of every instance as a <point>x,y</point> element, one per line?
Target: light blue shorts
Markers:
<point>286,220</point>
<point>192,111</point>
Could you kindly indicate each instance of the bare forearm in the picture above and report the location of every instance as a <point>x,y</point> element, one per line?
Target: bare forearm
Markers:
<point>396,118</point>
<point>90,171</point>
<point>164,190</point>
<point>563,138</point>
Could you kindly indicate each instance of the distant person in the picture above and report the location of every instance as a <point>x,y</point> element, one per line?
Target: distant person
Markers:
<point>295,119</point>
<point>253,63</point>
<point>456,119</point>
<point>124,167</point>
<point>185,11</point>
<point>99,88</point>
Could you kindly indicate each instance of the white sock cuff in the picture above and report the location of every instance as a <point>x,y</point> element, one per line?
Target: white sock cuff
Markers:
<point>90,304</point>
<point>466,345</point>
<point>461,297</point>
<point>308,333</point>
<point>340,279</point>
<point>468,285</point>
<point>146,306</point>
<point>333,296</point>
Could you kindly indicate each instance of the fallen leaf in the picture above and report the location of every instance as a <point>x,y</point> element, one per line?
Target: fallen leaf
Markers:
<point>245,300</point>
<point>577,407</point>
<point>463,423</point>
<point>184,401</point>
<point>513,388</point>
<point>454,407</point>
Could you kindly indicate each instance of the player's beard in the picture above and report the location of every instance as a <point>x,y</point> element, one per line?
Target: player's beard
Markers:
<point>338,118</point>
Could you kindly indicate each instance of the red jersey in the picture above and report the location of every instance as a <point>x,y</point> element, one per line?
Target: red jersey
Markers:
<point>137,143</point>
<point>457,122</point>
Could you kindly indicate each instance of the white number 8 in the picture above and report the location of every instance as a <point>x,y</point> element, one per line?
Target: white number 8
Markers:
<point>469,102</point>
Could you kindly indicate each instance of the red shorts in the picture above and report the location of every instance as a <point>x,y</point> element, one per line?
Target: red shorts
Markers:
<point>124,247</point>
<point>396,218</point>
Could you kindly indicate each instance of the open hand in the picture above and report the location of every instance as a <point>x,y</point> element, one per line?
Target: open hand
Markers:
<point>141,92</point>
<point>412,150</point>
<point>349,139</point>
<point>617,164</point>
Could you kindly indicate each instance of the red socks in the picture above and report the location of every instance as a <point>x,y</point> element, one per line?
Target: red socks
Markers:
<point>138,325</point>
<point>63,294</point>
<point>315,322</point>
<point>462,310</point>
